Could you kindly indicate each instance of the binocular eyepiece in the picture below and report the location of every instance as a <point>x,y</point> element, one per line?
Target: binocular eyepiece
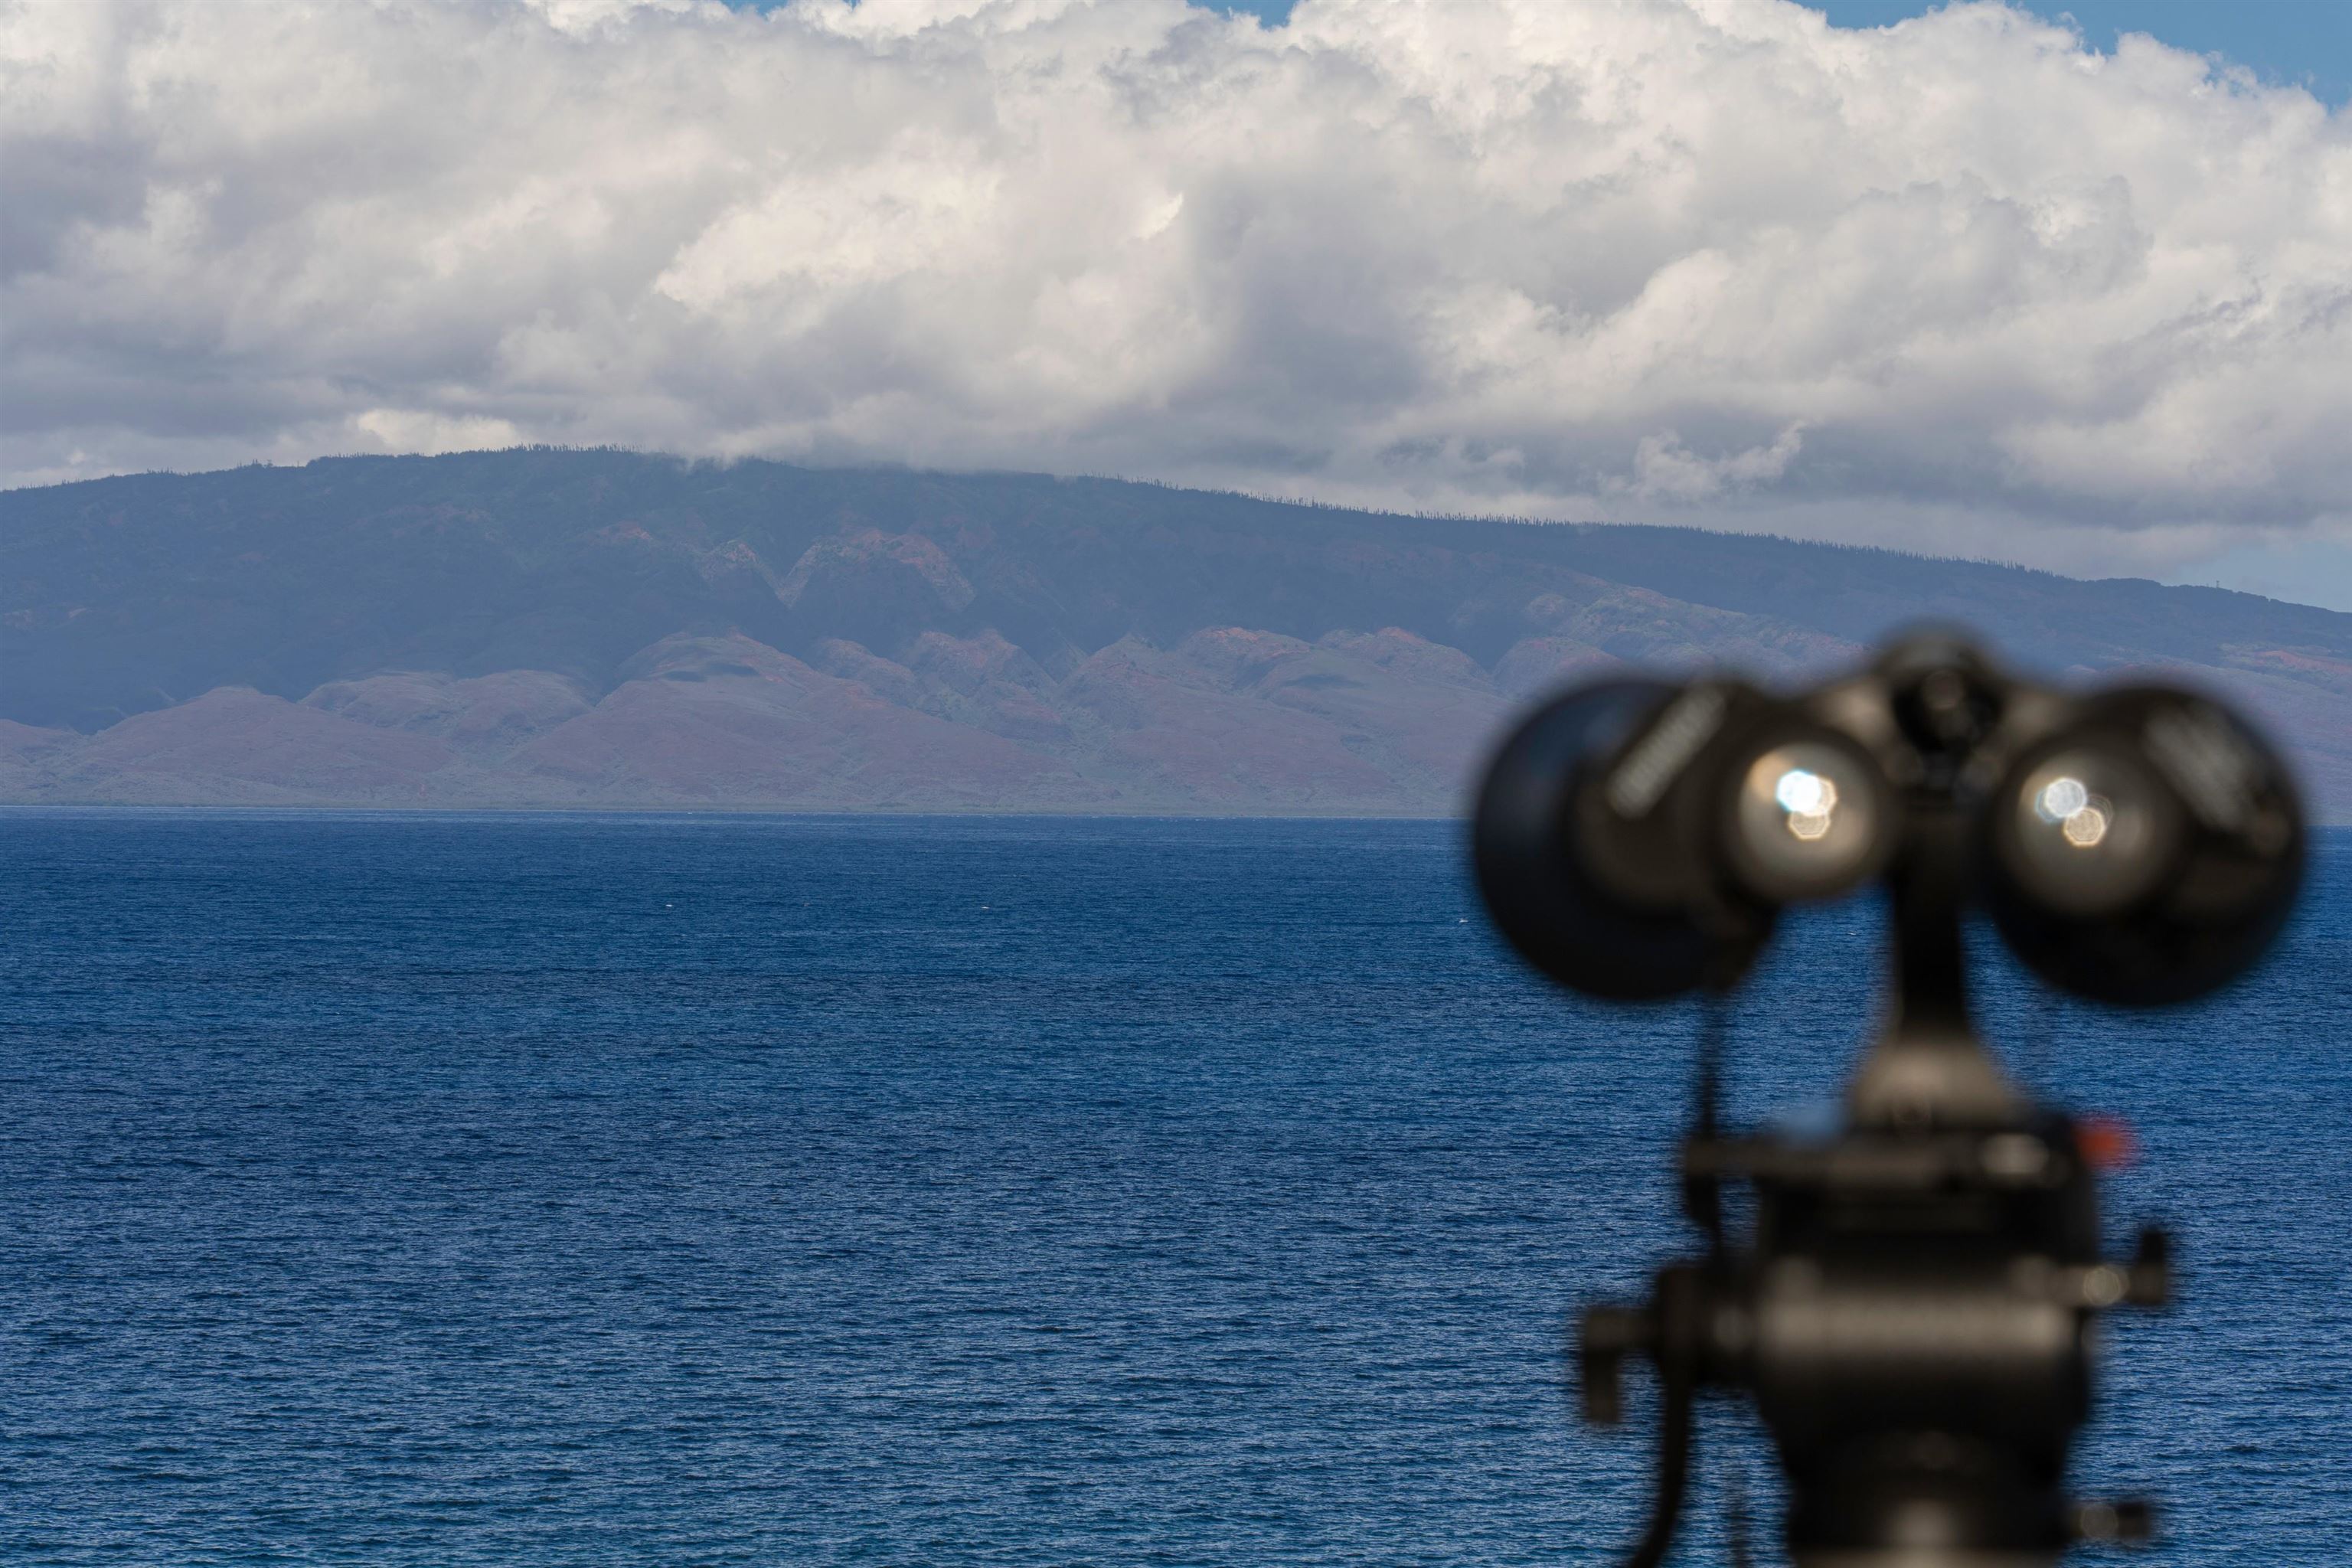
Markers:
<point>2140,845</point>
<point>1910,1306</point>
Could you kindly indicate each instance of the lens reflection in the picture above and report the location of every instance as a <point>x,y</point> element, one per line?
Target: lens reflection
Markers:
<point>2081,817</point>
<point>2088,837</point>
<point>2062,798</point>
<point>1806,820</point>
<point>2085,829</point>
<point>1804,794</point>
<point>1809,799</point>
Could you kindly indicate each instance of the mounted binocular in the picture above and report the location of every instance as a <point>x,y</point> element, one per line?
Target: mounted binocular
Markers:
<point>1911,1306</point>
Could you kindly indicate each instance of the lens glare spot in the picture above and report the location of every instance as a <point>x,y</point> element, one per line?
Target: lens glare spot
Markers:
<point>1805,794</point>
<point>2062,799</point>
<point>1806,820</point>
<point>2091,832</point>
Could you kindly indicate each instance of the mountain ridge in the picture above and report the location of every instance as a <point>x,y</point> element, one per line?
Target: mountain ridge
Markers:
<point>541,628</point>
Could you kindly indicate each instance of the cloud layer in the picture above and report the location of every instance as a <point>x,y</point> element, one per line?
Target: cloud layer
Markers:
<point>1957,284</point>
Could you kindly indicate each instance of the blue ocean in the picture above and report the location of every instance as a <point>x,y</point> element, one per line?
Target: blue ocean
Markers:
<point>447,1190</point>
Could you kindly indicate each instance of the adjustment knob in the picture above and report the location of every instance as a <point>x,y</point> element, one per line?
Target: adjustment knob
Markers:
<point>2128,1521</point>
<point>1606,1337</point>
<point>2151,1270</point>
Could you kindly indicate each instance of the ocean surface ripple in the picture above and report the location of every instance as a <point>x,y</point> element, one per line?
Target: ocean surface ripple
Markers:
<point>447,1190</point>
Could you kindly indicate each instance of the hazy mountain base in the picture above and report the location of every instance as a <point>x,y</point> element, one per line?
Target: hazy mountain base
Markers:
<point>1231,720</point>
<point>455,633</point>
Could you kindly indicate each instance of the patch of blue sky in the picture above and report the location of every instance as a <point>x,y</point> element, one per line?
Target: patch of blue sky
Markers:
<point>2300,43</point>
<point>2297,42</point>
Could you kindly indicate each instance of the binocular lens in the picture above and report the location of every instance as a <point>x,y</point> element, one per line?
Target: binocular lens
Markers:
<point>1808,821</point>
<point>2094,832</point>
<point>2147,852</point>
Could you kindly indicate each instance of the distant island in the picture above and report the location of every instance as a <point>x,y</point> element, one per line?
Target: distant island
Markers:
<point>554,628</point>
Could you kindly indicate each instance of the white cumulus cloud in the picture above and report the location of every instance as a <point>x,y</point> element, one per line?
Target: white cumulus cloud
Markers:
<point>1960,284</point>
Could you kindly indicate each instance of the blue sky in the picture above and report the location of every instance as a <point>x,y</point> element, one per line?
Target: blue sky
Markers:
<point>2306,43</point>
